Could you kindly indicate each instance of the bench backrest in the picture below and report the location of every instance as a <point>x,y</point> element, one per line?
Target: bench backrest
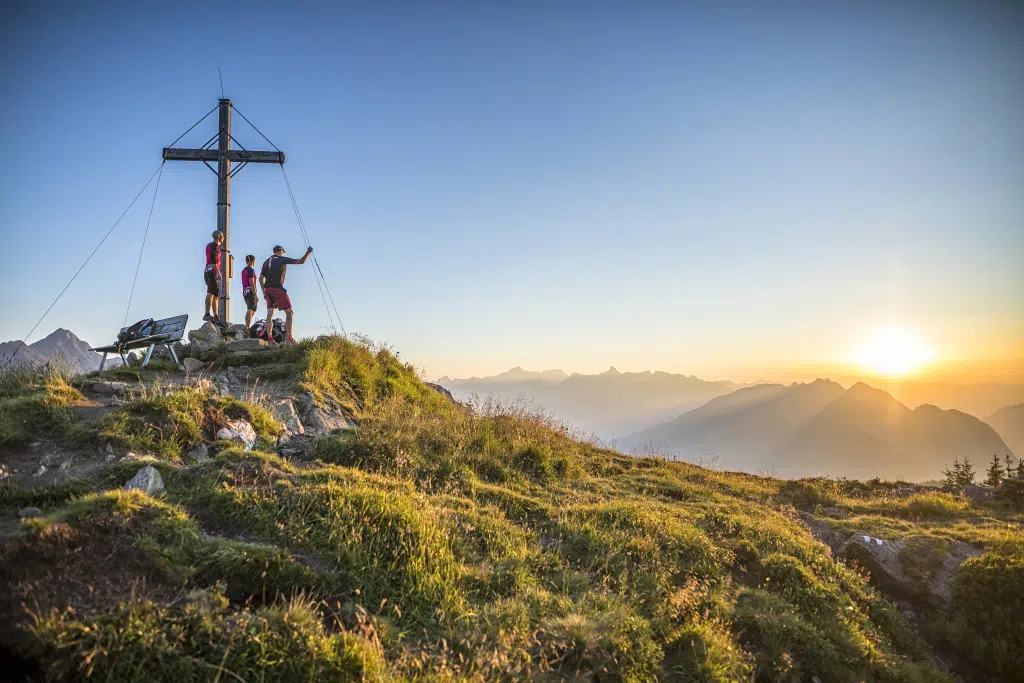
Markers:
<point>174,327</point>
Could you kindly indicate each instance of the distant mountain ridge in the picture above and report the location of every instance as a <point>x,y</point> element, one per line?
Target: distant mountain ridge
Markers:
<point>610,404</point>
<point>516,374</point>
<point>1009,424</point>
<point>820,428</point>
<point>58,344</point>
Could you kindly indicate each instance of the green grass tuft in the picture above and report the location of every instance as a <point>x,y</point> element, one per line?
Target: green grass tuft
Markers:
<point>203,639</point>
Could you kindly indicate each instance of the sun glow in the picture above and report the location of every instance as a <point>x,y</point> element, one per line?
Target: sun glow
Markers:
<point>894,352</point>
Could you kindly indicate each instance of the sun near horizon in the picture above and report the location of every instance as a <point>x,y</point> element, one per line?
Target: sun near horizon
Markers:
<point>894,352</point>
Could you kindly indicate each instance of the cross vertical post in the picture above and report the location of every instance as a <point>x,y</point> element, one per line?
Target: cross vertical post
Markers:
<point>224,207</point>
<point>224,155</point>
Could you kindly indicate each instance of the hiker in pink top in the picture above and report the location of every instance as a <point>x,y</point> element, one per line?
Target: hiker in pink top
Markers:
<point>249,289</point>
<point>211,276</point>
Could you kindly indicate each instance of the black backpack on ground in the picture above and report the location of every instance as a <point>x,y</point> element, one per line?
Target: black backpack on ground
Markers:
<point>277,333</point>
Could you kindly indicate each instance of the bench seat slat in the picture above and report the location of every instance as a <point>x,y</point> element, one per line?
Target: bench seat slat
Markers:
<point>135,343</point>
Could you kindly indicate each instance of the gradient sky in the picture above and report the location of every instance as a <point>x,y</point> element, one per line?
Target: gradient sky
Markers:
<point>728,190</point>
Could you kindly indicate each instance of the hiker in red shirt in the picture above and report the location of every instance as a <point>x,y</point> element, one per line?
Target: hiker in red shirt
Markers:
<point>272,282</point>
<point>212,277</point>
<point>249,289</point>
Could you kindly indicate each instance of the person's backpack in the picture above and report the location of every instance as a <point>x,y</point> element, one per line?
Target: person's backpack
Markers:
<point>277,332</point>
<point>143,328</point>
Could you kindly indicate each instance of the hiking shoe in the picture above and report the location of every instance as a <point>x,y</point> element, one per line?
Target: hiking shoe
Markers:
<point>210,319</point>
<point>289,340</point>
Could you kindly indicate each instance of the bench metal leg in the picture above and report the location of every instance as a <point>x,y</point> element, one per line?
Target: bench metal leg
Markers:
<point>124,358</point>
<point>149,352</point>
<point>104,361</point>
<point>170,347</point>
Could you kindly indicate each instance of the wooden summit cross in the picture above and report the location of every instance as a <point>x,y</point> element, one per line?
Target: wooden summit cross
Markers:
<point>224,155</point>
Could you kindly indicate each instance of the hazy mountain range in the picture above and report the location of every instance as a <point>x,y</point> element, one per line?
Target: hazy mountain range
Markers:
<point>822,428</point>
<point>1009,424</point>
<point>60,343</point>
<point>609,405</point>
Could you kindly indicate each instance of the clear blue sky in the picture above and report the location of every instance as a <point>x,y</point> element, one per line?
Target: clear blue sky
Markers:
<point>649,185</point>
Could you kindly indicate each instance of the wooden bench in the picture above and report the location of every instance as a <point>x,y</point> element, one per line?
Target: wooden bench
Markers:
<point>165,333</point>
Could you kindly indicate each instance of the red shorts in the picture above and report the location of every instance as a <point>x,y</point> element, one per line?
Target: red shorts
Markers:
<point>277,298</point>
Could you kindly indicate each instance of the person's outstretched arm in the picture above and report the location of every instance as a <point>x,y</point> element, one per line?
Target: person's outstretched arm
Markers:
<point>309,250</point>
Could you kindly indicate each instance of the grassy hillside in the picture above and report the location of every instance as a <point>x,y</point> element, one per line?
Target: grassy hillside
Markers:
<point>435,542</point>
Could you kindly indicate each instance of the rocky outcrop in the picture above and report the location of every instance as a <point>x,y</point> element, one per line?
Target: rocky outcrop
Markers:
<point>236,331</point>
<point>147,479</point>
<point>285,413</point>
<point>193,365</point>
<point>322,417</point>
<point>978,494</point>
<point>204,341</point>
<point>919,569</point>
<point>243,347</point>
<point>441,390</point>
<point>161,352</point>
<point>111,388</point>
<point>238,430</point>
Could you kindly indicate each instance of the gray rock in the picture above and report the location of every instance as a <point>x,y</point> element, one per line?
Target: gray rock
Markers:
<point>111,388</point>
<point>147,479</point>
<point>163,353</point>
<point>284,412</point>
<point>321,418</point>
<point>244,347</point>
<point>199,454</point>
<point>236,331</point>
<point>203,341</point>
<point>884,560</point>
<point>193,365</point>
<point>978,494</point>
<point>26,513</point>
<point>238,430</point>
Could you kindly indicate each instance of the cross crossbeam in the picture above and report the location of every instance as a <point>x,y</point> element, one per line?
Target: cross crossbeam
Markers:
<point>223,155</point>
<point>237,155</point>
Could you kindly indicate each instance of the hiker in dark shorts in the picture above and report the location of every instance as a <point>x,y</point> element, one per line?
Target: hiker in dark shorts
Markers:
<point>249,289</point>
<point>272,282</point>
<point>212,277</point>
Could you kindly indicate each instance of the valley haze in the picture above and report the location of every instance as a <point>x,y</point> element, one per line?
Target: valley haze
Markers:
<point>799,429</point>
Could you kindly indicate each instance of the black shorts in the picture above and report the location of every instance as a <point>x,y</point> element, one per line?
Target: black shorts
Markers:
<point>212,279</point>
<point>250,301</point>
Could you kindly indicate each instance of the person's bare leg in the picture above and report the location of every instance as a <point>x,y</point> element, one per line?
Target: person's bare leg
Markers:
<point>209,302</point>
<point>248,318</point>
<point>289,318</point>
<point>269,329</point>
<point>215,306</point>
